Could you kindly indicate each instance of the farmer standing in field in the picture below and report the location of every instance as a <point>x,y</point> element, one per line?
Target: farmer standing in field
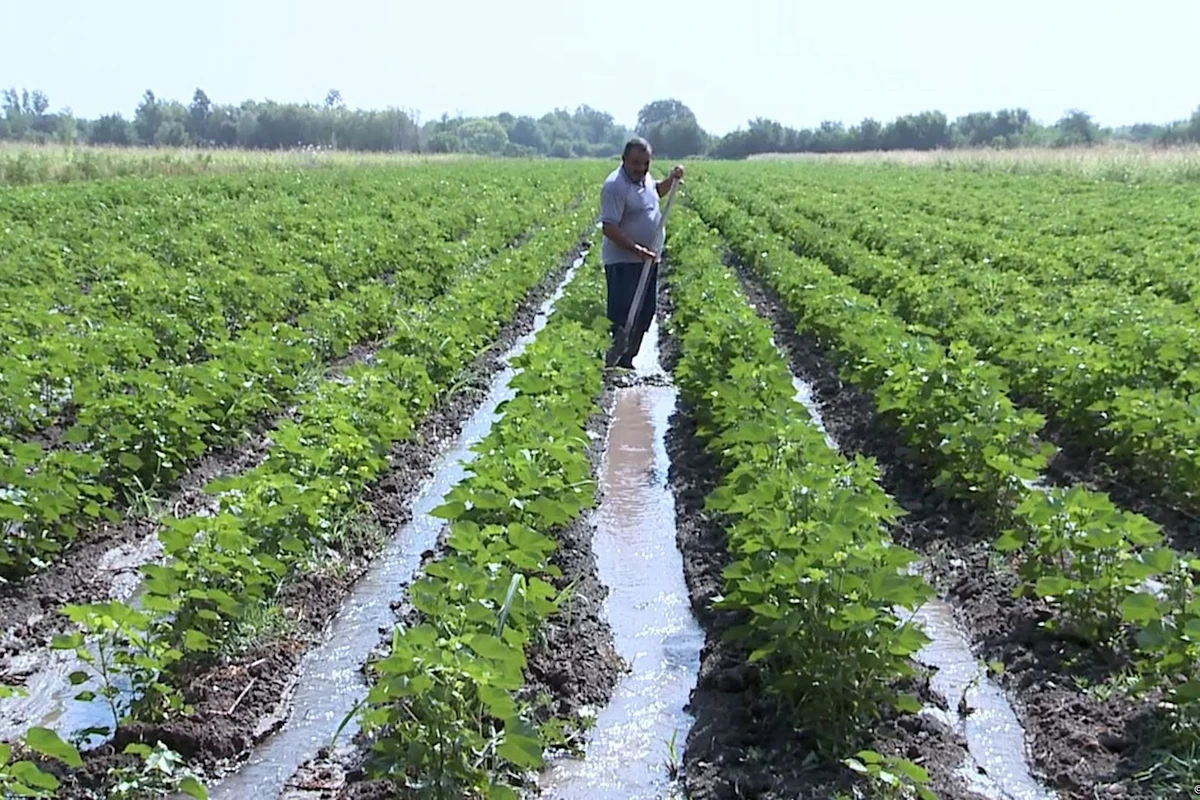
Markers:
<point>630,214</point>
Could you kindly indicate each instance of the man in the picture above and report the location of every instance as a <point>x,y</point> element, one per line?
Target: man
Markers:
<point>630,215</point>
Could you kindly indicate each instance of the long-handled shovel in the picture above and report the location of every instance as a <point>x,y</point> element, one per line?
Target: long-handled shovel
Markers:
<point>621,340</point>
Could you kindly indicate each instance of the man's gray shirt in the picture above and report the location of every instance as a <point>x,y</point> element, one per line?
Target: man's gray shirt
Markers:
<point>634,209</point>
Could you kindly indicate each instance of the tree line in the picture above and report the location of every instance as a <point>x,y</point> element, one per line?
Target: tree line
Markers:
<point>669,124</point>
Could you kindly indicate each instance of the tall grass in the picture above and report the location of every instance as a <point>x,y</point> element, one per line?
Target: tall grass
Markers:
<point>22,163</point>
<point>1114,162</point>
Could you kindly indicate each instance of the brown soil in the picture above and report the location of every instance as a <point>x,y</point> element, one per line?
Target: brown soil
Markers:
<point>741,744</point>
<point>1078,744</point>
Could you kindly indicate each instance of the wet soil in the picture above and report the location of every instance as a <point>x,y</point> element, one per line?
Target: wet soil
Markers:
<point>1080,743</point>
<point>105,564</point>
<point>574,664</point>
<point>742,744</point>
<point>237,704</point>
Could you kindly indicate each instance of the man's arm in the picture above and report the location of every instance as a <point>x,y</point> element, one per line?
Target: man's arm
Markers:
<point>612,207</point>
<point>664,186</point>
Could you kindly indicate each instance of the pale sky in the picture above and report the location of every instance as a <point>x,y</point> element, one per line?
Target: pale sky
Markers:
<point>796,62</point>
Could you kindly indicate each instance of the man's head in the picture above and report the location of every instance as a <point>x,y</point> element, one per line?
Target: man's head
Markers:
<point>636,158</point>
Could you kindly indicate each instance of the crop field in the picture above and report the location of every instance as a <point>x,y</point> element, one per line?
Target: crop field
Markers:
<point>310,486</point>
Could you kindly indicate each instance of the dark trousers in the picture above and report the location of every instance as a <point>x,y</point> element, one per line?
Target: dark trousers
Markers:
<point>622,280</point>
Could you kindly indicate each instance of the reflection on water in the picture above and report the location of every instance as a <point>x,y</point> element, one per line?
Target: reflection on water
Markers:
<point>647,607</point>
<point>995,738</point>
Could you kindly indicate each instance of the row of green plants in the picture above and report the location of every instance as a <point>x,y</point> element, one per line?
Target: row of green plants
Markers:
<point>816,581</point>
<point>1141,237</point>
<point>141,425</point>
<point>296,514</point>
<point>446,714</point>
<point>1133,337</point>
<point>76,235</point>
<point>1071,547</point>
<point>1050,229</point>
<point>1128,388</point>
<point>168,294</point>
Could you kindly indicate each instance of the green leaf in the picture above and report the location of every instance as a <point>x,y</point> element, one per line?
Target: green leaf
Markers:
<point>1053,585</point>
<point>856,765</point>
<point>196,641</point>
<point>27,773</point>
<point>46,742</point>
<point>1187,692</point>
<point>908,704</point>
<point>1008,542</point>
<point>1140,608</point>
<point>912,771</point>
<point>449,511</point>
<point>491,647</point>
<point>129,461</point>
<point>521,746</point>
<point>761,653</point>
<point>500,703</point>
<point>193,788</point>
<point>66,641</point>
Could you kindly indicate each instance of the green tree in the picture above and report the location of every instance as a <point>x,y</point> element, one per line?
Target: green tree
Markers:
<point>199,113</point>
<point>659,112</point>
<point>483,136</point>
<point>672,129</point>
<point>147,118</point>
<point>1077,128</point>
<point>112,129</point>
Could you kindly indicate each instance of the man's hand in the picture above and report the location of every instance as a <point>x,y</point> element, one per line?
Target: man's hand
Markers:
<point>614,232</point>
<point>676,172</point>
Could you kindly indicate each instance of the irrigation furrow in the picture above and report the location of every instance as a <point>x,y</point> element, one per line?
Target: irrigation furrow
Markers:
<point>570,665</point>
<point>1049,657</point>
<point>632,749</point>
<point>329,684</point>
<point>971,703</point>
<point>741,736</point>
<point>742,743</point>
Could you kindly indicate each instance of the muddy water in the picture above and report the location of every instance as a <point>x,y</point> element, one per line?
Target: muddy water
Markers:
<point>628,750</point>
<point>50,697</point>
<point>979,709</point>
<point>330,683</point>
<point>997,766</point>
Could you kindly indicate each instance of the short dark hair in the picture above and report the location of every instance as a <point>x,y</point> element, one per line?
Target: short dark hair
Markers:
<point>636,143</point>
